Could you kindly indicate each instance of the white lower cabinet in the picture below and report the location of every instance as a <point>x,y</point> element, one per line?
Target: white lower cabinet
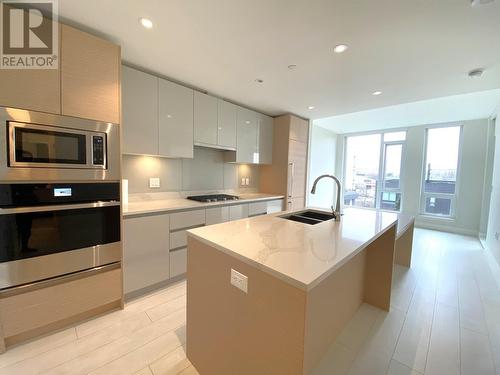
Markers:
<point>238,211</point>
<point>217,215</point>
<point>257,208</point>
<point>274,206</point>
<point>178,262</point>
<point>155,246</point>
<point>146,253</point>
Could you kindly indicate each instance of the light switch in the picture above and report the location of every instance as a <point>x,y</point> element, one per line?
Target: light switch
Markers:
<point>247,181</point>
<point>239,280</point>
<point>154,182</point>
<point>243,181</point>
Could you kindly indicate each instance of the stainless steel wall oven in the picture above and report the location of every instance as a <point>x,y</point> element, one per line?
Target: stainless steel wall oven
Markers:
<point>59,196</point>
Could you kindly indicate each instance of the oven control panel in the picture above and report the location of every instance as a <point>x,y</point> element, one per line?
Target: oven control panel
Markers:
<point>98,150</point>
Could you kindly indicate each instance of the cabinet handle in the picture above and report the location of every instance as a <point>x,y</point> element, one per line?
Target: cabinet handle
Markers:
<point>291,167</point>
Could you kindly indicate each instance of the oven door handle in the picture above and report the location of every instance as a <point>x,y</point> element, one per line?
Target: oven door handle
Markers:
<point>58,207</point>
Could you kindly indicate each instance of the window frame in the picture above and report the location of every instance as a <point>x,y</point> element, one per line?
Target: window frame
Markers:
<point>380,182</point>
<point>453,197</point>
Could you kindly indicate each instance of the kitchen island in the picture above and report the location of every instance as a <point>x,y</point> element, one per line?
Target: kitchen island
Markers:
<point>303,284</point>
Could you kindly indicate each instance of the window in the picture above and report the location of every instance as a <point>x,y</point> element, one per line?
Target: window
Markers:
<point>440,173</point>
<point>373,170</point>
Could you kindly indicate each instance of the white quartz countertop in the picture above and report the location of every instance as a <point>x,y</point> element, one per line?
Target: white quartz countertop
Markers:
<point>300,254</point>
<point>180,204</point>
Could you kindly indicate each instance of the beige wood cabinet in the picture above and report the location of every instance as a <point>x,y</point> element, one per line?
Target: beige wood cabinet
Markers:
<point>90,76</point>
<point>287,174</point>
<point>37,90</point>
<point>205,119</point>
<point>175,120</point>
<point>140,112</point>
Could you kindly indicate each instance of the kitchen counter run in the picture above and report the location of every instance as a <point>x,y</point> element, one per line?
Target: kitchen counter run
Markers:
<point>180,204</point>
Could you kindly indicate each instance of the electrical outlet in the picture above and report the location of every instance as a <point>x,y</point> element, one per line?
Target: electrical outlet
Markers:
<point>497,235</point>
<point>239,280</point>
<point>154,182</point>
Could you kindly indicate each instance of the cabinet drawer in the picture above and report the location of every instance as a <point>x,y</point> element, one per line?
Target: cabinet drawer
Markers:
<point>40,308</point>
<point>187,219</point>
<point>178,262</point>
<point>217,215</point>
<point>238,211</point>
<point>178,239</point>
<point>257,208</point>
<point>275,206</point>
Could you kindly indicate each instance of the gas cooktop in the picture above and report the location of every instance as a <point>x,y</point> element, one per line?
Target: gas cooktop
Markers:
<point>213,198</point>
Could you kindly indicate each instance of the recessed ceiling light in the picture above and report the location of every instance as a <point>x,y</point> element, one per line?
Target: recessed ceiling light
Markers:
<point>310,107</point>
<point>292,66</point>
<point>146,22</point>
<point>476,73</point>
<point>340,48</point>
<point>258,80</point>
<point>377,93</point>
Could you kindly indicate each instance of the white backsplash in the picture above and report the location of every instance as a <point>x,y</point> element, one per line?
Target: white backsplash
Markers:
<point>205,173</point>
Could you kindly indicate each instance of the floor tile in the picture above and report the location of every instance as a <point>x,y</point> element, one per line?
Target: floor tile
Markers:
<point>476,356</point>
<point>396,368</point>
<point>172,363</point>
<point>444,346</point>
<point>337,361</point>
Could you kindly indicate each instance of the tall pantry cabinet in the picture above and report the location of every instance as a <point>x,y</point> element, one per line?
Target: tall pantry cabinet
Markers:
<point>287,175</point>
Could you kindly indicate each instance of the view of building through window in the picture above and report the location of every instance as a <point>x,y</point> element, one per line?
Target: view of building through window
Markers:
<point>371,181</point>
<point>362,160</point>
<point>441,164</point>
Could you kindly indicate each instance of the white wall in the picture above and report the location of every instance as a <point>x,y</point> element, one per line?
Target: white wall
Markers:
<point>472,177</point>
<point>492,240</point>
<point>322,158</point>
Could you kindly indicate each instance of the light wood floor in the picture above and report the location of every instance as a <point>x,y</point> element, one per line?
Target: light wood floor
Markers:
<point>444,319</point>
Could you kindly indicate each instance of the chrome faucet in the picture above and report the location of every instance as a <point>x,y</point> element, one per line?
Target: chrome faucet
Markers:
<point>336,211</point>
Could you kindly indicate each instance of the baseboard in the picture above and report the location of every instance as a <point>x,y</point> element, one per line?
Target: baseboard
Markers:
<point>152,288</point>
<point>446,228</point>
<point>494,264</point>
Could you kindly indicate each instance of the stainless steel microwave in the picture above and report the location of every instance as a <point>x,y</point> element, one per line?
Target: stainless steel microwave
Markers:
<point>37,146</point>
<point>42,146</point>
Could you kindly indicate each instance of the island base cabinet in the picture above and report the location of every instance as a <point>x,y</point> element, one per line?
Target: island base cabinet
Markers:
<point>281,328</point>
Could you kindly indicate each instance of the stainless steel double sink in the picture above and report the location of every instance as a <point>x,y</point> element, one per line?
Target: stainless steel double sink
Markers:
<point>311,217</point>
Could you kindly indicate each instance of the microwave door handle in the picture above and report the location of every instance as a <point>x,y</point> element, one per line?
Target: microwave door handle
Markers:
<point>58,207</point>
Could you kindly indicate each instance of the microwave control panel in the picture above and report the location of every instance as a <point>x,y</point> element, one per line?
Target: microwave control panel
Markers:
<point>98,150</point>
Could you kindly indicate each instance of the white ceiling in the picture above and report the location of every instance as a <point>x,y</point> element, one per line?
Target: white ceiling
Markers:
<point>478,105</point>
<point>410,50</point>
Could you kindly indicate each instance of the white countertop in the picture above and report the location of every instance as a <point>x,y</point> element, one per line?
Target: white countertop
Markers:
<point>179,204</point>
<point>300,254</point>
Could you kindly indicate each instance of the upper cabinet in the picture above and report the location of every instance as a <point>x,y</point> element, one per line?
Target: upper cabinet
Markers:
<point>214,122</point>
<point>140,112</point>
<point>86,84</point>
<point>175,120</point>
<point>90,76</point>
<point>167,119</point>
<point>36,89</point>
<point>226,125</point>
<point>157,116</point>
<point>205,119</point>
<point>247,148</point>
<point>265,127</point>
